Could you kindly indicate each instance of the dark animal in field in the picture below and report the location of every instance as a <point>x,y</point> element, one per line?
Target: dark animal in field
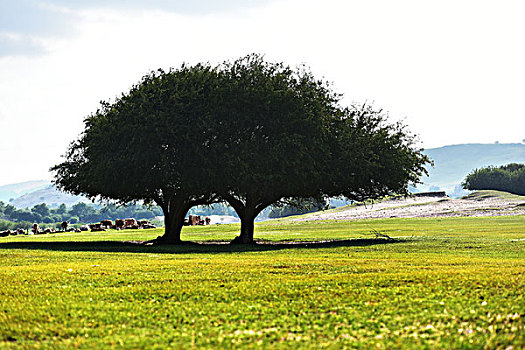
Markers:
<point>49,230</point>
<point>5,233</point>
<point>195,220</point>
<point>106,224</point>
<point>20,231</point>
<point>208,220</point>
<point>119,224</point>
<point>84,228</point>
<point>131,223</point>
<point>64,225</point>
<point>35,229</point>
<point>96,227</point>
<point>145,224</point>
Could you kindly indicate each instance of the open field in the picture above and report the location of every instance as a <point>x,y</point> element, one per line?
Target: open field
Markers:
<point>441,283</point>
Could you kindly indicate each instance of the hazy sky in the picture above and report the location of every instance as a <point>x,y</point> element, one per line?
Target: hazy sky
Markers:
<point>454,71</point>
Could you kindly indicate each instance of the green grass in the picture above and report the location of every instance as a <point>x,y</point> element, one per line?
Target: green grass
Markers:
<point>442,283</point>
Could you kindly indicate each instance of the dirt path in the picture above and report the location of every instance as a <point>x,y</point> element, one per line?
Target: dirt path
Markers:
<point>476,205</point>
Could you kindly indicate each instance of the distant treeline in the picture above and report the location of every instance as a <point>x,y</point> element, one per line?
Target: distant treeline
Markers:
<point>509,178</point>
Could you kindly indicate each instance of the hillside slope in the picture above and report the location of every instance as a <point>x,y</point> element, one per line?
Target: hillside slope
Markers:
<point>12,191</point>
<point>49,195</point>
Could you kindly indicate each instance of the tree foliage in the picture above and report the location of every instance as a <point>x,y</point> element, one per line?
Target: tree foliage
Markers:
<point>509,178</point>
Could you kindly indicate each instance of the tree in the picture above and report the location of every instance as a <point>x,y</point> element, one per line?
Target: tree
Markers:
<point>83,211</point>
<point>41,209</point>
<point>25,215</point>
<point>269,125</point>
<point>251,133</point>
<point>509,178</point>
<point>9,209</point>
<point>62,209</point>
<point>281,135</point>
<point>147,146</point>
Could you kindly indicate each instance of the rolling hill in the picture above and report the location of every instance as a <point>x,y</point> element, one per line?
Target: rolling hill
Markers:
<point>49,195</point>
<point>12,191</point>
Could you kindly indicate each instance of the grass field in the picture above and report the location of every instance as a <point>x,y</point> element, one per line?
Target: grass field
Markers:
<point>441,283</point>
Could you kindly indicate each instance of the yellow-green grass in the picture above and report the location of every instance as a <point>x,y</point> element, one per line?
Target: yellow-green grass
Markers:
<point>441,283</point>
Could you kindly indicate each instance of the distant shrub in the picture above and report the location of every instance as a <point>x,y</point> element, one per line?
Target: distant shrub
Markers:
<point>296,207</point>
<point>47,220</point>
<point>73,220</point>
<point>509,178</point>
<point>6,225</point>
<point>9,225</point>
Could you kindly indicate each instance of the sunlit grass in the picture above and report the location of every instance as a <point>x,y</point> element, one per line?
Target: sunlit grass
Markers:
<point>442,283</point>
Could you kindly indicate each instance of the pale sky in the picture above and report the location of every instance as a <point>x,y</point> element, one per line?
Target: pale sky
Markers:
<point>453,71</point>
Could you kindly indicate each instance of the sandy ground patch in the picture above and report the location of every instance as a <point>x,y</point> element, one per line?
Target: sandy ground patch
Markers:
<point>424,207</point>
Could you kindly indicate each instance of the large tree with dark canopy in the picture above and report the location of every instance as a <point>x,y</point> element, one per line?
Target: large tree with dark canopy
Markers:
<point>147,146</point>
<point>250,132</point>
<point>281,135</point>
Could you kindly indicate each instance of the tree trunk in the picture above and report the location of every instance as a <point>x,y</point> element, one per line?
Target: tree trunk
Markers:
<point>247,211</point>
<point>173,222</point>
<point>247,216</point>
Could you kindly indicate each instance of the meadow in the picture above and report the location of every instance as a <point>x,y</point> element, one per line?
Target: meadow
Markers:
<point>438,283</point>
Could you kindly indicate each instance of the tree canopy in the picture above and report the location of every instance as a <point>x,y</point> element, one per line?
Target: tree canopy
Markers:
<point>509,178</point>
<point>248,132</point>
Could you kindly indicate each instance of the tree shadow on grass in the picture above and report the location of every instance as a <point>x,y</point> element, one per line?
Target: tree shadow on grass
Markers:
<point>191,247</point>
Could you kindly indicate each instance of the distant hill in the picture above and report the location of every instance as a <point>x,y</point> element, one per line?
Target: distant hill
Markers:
<point>49,195</point>
<point>453,163</point>
<point>12,191</point>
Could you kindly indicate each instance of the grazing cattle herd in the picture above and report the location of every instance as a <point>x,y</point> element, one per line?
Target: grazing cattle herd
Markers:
<point>119,224</point>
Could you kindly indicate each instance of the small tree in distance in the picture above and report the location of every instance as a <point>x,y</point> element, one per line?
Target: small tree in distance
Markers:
<point>509,178</point>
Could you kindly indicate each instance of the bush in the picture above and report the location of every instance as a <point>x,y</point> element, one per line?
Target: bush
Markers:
<point>508,178</point>
<point>47,220</point>
<point>73,220</point>
<point>9,225</point>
